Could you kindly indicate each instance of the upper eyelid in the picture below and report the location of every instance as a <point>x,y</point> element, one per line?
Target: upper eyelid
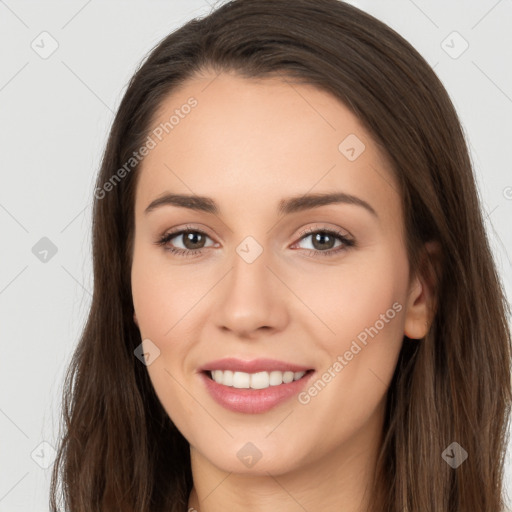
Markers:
<point>337,231</point>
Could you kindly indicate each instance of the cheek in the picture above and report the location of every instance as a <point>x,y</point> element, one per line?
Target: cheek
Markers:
<point>160,298</point>
<point>162,294</point>
<point>354,296</point>
<point>362,306</point>
<point>165,299</point>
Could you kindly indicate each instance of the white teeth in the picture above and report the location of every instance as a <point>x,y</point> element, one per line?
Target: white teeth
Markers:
<point>260,380</point>
<point>226,376</point>
<point>287,377</point>
<point>241,380</point>
<point>276,378</point>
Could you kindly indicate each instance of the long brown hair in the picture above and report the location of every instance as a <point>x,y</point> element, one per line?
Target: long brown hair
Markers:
<point>120,450</point>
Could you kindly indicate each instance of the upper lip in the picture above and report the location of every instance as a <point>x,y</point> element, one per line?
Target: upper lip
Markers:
<point>253,366</point>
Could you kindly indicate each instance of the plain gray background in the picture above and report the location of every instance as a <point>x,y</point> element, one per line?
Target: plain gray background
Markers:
<point>55,115</point>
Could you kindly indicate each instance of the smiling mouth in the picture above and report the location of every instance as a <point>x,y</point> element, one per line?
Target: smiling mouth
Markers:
<point>258,380</point>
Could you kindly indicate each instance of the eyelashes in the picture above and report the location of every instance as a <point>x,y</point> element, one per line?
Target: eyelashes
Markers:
<point>331,234</point>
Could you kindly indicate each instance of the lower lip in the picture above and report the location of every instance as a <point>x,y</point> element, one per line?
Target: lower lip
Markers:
<point>253,401</point>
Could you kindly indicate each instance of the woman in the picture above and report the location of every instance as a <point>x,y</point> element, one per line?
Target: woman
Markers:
<point>295,304</point>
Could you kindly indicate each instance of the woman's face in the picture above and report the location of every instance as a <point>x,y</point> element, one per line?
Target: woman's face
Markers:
<point>316,285</point>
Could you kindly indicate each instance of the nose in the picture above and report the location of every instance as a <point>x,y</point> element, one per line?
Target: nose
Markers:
<point>252,299</point>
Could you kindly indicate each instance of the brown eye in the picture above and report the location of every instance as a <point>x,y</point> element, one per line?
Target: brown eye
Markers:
<point>324,241</point>
<point>192,241</point>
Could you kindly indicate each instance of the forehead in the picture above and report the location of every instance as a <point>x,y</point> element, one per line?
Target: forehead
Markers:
<point>250,142</point>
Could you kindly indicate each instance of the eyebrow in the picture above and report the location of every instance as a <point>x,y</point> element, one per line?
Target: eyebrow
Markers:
<point>286,206</point>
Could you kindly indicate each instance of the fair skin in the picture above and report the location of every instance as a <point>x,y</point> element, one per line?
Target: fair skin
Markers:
<point>248,144</point>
